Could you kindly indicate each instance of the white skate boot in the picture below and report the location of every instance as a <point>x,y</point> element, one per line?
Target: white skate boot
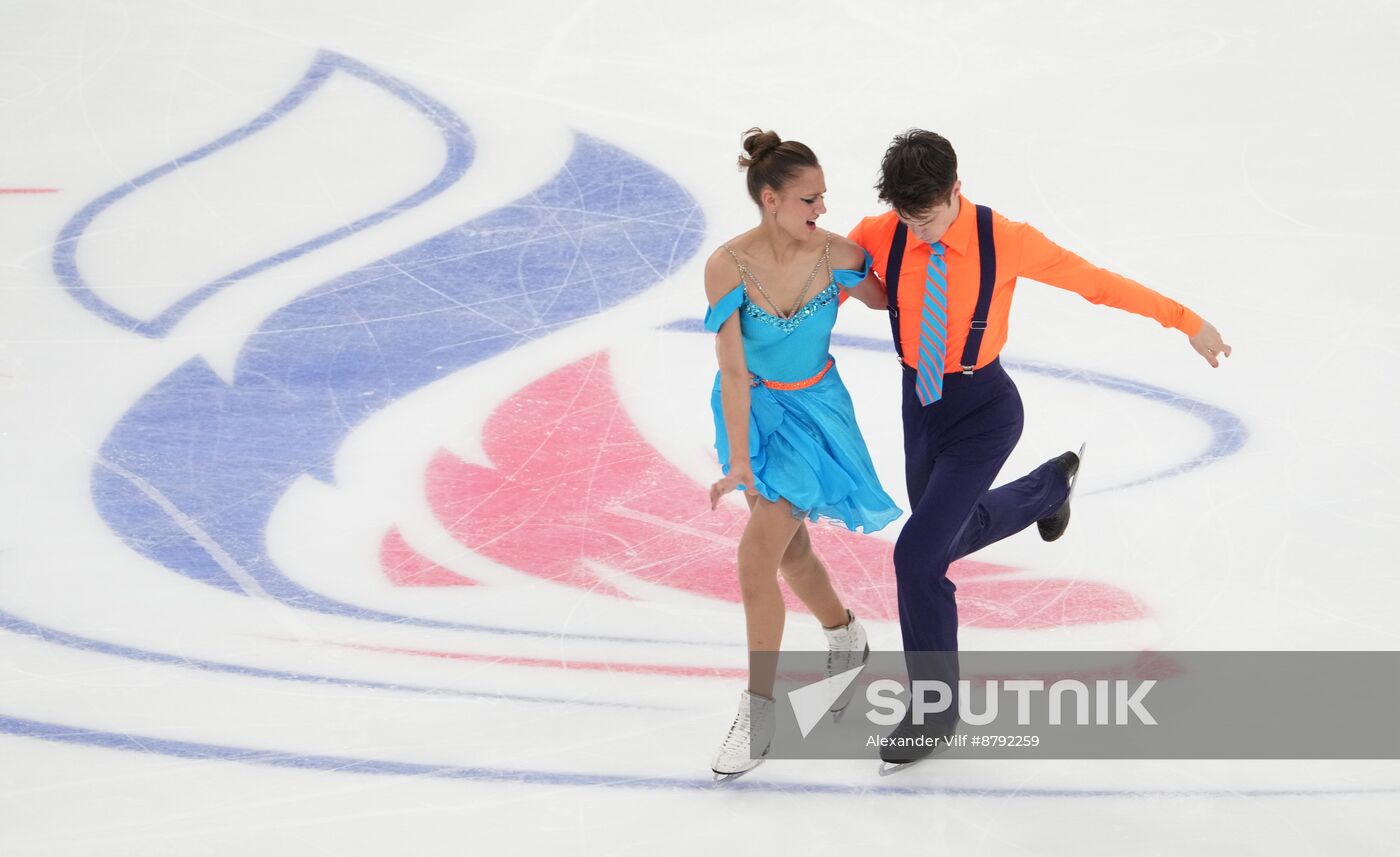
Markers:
<point>847,647</point>
<point>748,739</point>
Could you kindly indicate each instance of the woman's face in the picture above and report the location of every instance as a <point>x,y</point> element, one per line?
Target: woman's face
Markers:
<point>796,207</point>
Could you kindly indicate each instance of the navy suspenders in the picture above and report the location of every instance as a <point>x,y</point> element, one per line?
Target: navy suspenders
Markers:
<point>896,259</point>
<point>988,251</point>
<point>988,257</point>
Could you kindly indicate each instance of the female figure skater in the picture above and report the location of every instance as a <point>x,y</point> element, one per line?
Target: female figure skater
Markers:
<point>785,429</point>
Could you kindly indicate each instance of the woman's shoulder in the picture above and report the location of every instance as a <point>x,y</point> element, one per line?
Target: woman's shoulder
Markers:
<point>846,253</point>
<point>722,274</point>
<point>726,257</point>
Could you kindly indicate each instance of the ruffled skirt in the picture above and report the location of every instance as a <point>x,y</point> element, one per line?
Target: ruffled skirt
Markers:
<point>805,447</point>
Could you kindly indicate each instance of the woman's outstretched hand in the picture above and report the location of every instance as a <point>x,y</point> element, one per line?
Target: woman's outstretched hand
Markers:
<point>737,476</point>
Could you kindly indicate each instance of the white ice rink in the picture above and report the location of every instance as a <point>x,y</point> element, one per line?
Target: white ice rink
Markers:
<point>354,422</point>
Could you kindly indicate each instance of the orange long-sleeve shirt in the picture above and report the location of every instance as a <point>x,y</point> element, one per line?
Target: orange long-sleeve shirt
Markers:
<point>1022,251</point>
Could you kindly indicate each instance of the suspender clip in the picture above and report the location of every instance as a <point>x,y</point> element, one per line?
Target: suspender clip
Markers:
<point>967,370</point>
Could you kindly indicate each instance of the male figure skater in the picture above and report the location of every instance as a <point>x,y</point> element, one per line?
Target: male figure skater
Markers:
<point>950,269</point>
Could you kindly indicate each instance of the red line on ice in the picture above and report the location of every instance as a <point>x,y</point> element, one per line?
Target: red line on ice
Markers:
<point>551,663</point>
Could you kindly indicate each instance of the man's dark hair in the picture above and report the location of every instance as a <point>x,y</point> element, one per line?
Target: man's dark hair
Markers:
<point>918,172</point>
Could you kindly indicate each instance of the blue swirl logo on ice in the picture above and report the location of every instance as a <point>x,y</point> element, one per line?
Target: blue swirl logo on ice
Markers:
<point>314,130</point>
<point>189,476</point>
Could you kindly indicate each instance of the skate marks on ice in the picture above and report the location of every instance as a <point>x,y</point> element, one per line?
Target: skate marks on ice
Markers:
<point>189,476</point>
<point>381,767</point>
<point>354,346</point>
<point>458,151</point>
<point>197,451</point>
<point>574,487</point>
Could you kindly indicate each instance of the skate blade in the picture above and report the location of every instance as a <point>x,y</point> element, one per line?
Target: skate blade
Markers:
<point>888,769</point>
<point>842,703</point>
<point>729,778</point>
<point>1074,483</point>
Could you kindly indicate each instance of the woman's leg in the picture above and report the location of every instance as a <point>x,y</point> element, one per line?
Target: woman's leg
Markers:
<point>761,548</point>
<point>807,578</point>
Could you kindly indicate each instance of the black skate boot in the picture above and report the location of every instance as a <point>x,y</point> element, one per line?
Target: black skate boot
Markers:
<point>1053,526</point>
<point>908,743</point>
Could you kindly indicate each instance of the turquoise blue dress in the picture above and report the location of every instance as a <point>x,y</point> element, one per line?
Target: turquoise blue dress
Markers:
<point>804,444</point>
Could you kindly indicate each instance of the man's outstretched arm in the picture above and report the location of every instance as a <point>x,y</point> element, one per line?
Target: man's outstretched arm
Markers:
<point>1044,260</point>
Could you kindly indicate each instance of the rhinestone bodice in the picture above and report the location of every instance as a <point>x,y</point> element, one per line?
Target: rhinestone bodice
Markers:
<point>786,349</point>
<point>788,325</point>
<point>789,349</point>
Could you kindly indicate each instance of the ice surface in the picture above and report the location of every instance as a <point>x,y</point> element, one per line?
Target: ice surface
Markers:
<point>354,419</point>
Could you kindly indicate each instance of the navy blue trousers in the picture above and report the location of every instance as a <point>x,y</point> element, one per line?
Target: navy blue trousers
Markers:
<point>953,449</point>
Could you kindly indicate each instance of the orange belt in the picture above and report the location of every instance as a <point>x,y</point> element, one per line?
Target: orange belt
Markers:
<point>793,385</point>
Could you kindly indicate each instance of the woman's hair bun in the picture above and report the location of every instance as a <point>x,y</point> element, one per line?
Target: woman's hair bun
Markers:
<point>771,161</point>
<point>758,143</point>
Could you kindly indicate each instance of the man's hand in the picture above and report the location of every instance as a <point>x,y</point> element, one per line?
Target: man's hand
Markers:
<point>1208,344</point>
<point>737,476</point>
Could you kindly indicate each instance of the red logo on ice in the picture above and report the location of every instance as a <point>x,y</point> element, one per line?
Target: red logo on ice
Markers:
<point>579,497</point>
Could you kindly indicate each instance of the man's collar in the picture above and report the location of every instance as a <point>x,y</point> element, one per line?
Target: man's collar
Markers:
<point>959,235</point>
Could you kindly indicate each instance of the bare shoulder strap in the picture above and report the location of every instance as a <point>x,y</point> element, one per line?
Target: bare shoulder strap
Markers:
<point>744,274</point>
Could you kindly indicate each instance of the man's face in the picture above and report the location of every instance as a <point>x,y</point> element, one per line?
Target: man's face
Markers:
<point>929,226</point>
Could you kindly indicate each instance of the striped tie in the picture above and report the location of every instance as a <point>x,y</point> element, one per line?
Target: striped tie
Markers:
<point>933,328</point>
